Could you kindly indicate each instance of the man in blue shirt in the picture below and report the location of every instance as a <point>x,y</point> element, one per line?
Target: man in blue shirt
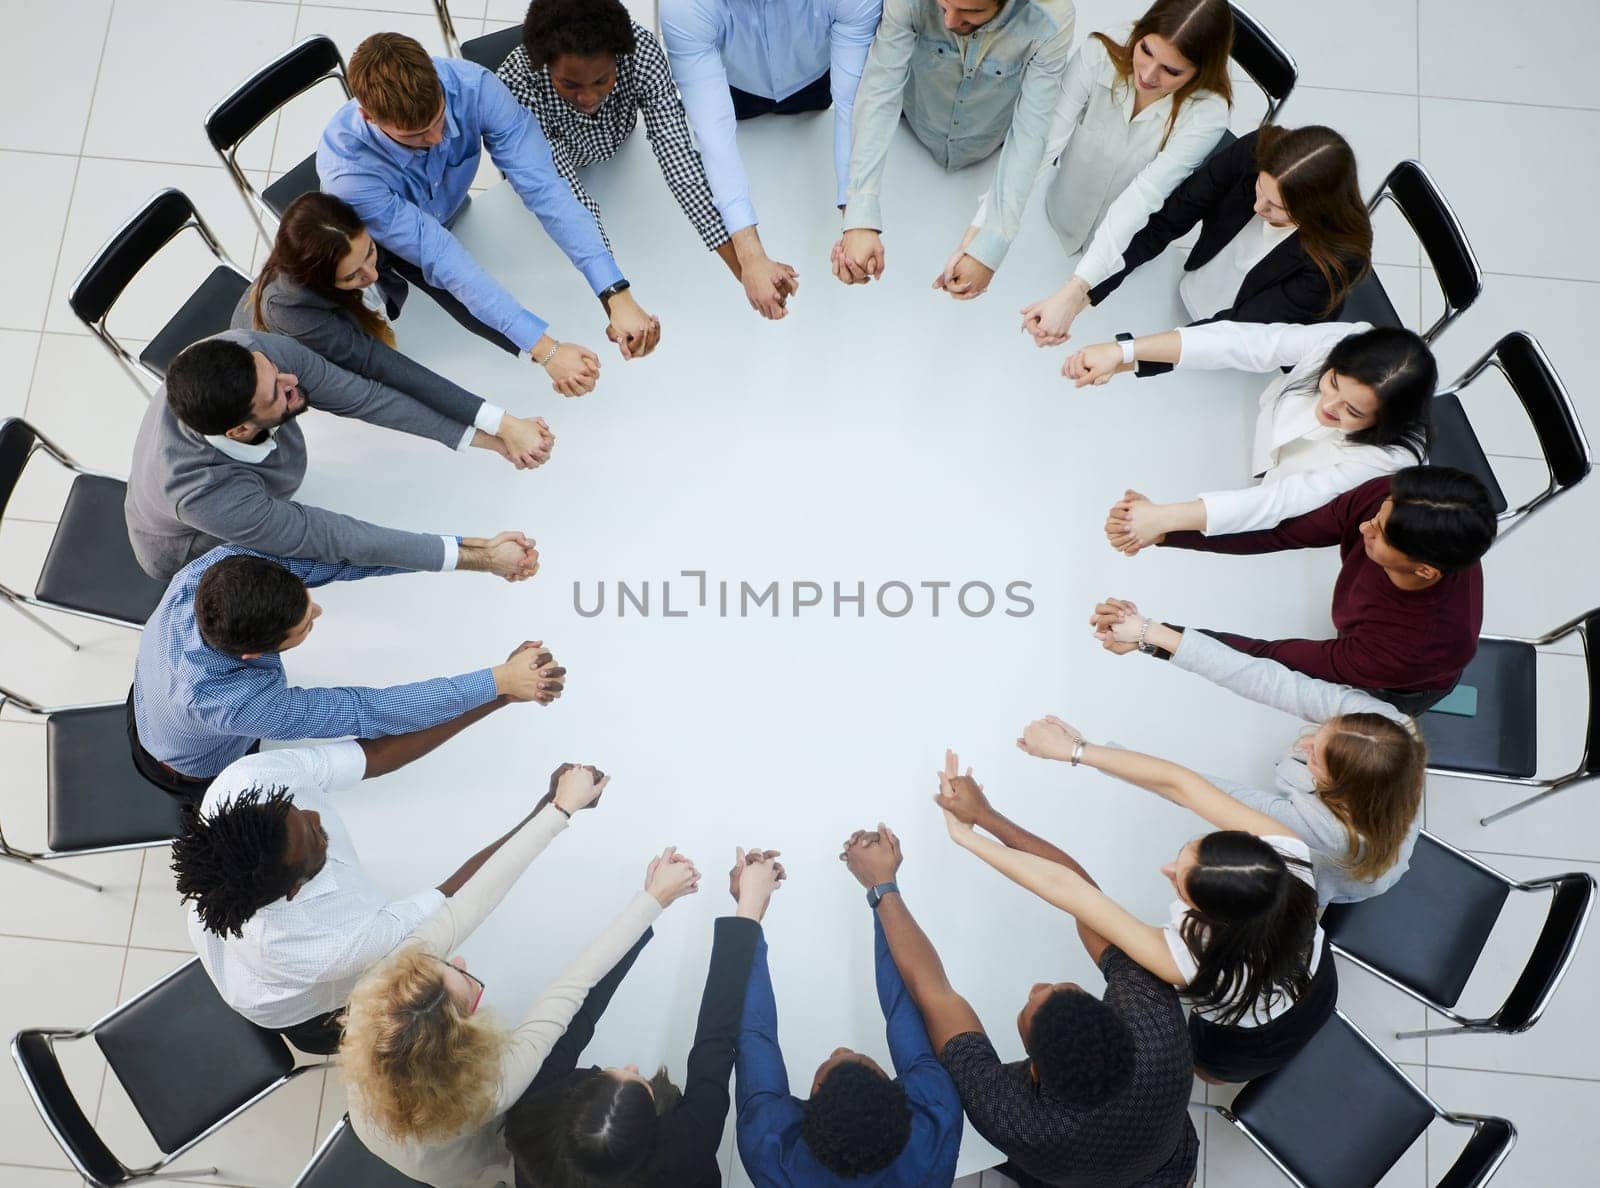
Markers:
<point>859,1128</point>
<point>209,680</point>
<point>404,152</point>
<point>735,59</point>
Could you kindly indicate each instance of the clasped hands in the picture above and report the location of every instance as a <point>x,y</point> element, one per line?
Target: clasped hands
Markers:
<point>858,257</point>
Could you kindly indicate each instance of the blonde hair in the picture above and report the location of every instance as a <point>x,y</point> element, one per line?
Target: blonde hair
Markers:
<point>421,1068</point>
<point>1376,771</point>
<point>394,80</point>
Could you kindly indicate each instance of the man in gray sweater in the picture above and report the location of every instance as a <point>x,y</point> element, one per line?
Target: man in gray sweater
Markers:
<point>219,457</point>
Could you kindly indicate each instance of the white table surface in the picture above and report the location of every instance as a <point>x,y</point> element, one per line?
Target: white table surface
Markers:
<point>884,433</point>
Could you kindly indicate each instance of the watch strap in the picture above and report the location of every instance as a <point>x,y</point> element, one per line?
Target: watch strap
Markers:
<point>875,894</point>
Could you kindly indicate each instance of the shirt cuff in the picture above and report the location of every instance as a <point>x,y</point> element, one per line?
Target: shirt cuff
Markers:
<point>452,553</point>
<point>466,438</point>
<point>988,247</point>
<point>863,213</point>
<point>488,418</point>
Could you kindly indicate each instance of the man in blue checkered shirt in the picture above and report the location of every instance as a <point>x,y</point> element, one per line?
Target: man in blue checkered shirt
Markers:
<point>210,684</point>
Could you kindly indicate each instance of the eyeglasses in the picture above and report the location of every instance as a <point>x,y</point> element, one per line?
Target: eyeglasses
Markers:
<point>476,981</point>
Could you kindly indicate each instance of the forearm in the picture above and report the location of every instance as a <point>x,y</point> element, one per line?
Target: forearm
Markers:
<point>729,255</point>
<point>472,865</point>
<point>913,953</point>
<point>1015,837</point>
<point>746,245</point>
<point>396,750</point>
<point>1166,779</point>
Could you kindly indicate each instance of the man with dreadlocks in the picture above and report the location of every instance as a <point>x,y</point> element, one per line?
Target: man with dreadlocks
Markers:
<point>281,911</point>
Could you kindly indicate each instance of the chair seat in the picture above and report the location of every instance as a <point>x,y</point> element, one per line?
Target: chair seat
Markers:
<point>345,1163</point>
<point>1502,737</point>
<point>492,49</point>
<point>208,311</point>
<point>1367,302</point>
<point>97,797</point>
<point>1337,1114</point>
<point>1429,929</point>
<point>90,566</point>
<point>1455,444</point>
<point>187,1060</point>
<point>302,179</point>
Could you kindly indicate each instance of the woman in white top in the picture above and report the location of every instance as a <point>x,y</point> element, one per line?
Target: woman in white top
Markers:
<point>1351,788</point>
<point>1135,118</point>
<point>1354,406</point>
<point>429,1077</point>
<point>1242,945</point>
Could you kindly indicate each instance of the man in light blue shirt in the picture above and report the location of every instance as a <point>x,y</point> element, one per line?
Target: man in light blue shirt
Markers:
<point>971,76</point>
<point>404,152</point>
<point>209,679</point>
<point>734,59</point>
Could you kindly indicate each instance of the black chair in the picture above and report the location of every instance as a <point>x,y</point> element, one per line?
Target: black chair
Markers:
<point>1426,934</point>
<point>189,1064</point>
<point>492,49</point>
<point>342,1162</point>
<point>98,802</point>
<point>1340,1114</point>
<point>1259,54</point>
<point>1522,361</point>
<point>207,310</point>
<point>1499,741</point>
<point>229,123</point>
<point>1460,278</point>
<point>90,570</point>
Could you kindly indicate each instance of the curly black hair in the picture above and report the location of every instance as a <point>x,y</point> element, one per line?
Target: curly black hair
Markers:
<point>857,1122</point>
<point>582,28</point>
<point>230,864</point>
<point>1080,1048</point>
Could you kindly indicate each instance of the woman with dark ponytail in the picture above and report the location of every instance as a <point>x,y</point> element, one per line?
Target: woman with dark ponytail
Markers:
<point>1242,945</point>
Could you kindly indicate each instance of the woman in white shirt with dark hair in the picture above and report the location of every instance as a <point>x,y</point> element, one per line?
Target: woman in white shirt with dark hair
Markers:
<point>1354,406</point>
<point>1136,116</point>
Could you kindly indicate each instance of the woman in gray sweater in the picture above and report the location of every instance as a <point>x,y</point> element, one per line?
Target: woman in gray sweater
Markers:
<point>320,287</point>
<point>1352,788</point>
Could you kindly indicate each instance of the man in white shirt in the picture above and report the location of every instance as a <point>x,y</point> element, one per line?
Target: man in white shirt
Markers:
<point>282,913</point>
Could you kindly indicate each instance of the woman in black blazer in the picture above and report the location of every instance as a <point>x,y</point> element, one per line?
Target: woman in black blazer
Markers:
<point>1303,179</point>
<point>615,1128</point>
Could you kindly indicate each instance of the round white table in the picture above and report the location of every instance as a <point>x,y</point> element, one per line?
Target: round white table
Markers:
<point>879,434</point>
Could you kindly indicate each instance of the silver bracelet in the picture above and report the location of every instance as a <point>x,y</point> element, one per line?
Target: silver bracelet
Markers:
<point>1077,752</point>
<point>546,360</point>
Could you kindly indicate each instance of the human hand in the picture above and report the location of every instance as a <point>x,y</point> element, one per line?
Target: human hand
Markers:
<point>1134,523</point>
<point>1050,321</point>
<point>577,786</point>
<point>873,857</point>
<point>510,555</point>
<point>756,874</point>
<point>969,278</point>
<point>768,285</point>
<point>750,858</point>
<point>961,795</point>
<point>635,332</point>
<point>530,674</point>
<point>671,876</point>
<point>573,370</point>
<point>858,256</point>
<point>1106,616</point>
<point>1093,364</point>
<point>527,441</point>
<point>1049,738</point>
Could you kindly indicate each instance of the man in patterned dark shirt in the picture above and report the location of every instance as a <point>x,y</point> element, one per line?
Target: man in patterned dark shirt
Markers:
<point>1101,1100</point>
<point>586,70</point>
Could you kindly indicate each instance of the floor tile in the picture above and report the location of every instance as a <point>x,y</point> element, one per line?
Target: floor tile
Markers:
<point>1498,211</point>
<point>18,349</point>
<point>1556,1135</point>
<point>57,66</point>
<point>12,1176</point>
<point>162,72</point>
<point>1474,52</point>
<point>36,194</point>
<point>1371,46</point>
<point>108,194</point>
<point>84,401</point>
<point>160,920</point>
<point>52,984</point>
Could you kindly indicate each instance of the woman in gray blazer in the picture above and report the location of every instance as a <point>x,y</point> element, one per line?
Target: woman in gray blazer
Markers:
<point>320,287</point>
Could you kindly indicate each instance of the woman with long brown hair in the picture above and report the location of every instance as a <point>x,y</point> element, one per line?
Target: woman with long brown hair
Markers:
<point>320,287</point>
<point>1351,789</point>
<point>1284,235</point>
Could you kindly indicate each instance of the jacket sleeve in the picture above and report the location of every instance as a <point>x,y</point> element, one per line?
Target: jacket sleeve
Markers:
<point>333,389</point>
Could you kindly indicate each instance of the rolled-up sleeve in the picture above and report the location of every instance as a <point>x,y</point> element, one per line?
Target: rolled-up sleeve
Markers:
<point>690,29</point>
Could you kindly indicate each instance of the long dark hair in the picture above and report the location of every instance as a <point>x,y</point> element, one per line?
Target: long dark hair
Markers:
<point>591,1130</point>
<point>1398,366</point>
<point>1316,171</point>
<point>1200,30</point>
<point>1249,927</point>
<point>314,235</point>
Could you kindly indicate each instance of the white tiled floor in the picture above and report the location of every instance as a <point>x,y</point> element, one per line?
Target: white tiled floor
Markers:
<point>106,98</point>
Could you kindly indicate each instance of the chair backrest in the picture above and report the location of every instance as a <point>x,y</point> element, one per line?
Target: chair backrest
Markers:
<point>134,245</point>
<point>1552,952</point>
<point>1416,196</point>
<point>16,447</point>
<point>1339,1113</point>
<point>296,70</point>
<point>1260,56</point>
<point>490,50</point>
<point>1491,1141</point>
<point>52,1096</point>
<point>343,1162</point>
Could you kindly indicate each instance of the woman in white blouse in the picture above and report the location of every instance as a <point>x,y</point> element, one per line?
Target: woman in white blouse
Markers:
<point>1354,406</point>
<point>429,1076</point>
<point>1135,117</point>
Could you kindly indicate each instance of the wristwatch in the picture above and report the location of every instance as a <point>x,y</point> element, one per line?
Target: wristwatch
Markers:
<point>1125,340</point>
<point>611,291</point>
<point>875,894</point>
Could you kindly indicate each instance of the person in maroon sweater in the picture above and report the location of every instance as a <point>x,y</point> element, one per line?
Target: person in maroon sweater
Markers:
<point>1408,602</point>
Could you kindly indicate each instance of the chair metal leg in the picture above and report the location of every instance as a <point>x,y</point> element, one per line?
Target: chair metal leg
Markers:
<point>44,868</point>
<point>185,1173</point>
<point>1459,1030</point>
<point>1521,804</point>
<point>28,614</point>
